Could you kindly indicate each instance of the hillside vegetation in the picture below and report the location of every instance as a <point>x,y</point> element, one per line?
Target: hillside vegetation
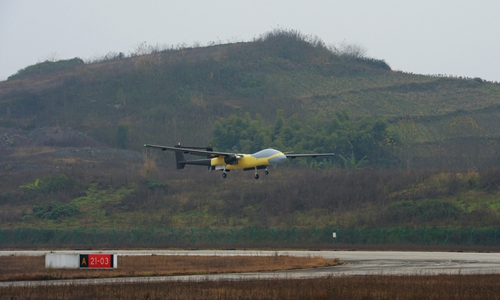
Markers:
<point>111,196</point>
<point>177,95</point>
<point>412,150</point>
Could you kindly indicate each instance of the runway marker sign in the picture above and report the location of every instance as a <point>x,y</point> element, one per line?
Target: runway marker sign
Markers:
<point>97,261</point>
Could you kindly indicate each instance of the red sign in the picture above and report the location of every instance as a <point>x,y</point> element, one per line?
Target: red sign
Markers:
<point>96,261</point>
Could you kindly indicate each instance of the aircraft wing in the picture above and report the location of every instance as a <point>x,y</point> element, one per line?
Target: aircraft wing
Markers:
<point>193,151</point>
<point>292,155</point>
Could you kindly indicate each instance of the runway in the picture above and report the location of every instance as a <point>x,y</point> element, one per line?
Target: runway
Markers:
<point>355,263</point>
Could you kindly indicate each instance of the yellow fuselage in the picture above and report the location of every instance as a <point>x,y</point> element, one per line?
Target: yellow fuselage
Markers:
<point>265,157</point>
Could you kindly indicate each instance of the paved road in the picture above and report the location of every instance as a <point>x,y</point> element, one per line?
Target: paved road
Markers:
<point>355,263</point>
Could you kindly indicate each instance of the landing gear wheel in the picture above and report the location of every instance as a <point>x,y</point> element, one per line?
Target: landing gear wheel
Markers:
<point>266,172</point>
<point>256,176</point>
<point>224,175</point>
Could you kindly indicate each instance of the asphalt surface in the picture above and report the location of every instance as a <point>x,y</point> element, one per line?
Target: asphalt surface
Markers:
<point>355,263</point>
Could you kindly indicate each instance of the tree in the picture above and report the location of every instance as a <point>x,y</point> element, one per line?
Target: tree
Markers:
<point>365,138</point>
<point>350,51</point>
<point>122,136</point>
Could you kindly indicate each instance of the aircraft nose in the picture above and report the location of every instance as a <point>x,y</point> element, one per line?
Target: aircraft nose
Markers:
<point>277,160</point>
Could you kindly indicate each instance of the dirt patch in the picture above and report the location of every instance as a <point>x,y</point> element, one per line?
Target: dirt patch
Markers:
<point>54,148</point>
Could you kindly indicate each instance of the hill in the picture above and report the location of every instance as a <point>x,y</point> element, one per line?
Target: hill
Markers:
<point>178,94</point>
<point>72,134</point>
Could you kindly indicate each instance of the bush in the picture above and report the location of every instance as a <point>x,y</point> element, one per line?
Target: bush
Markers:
<point>122,136</point>
<point>155,185</point>
<point>55,183</point>
<point>54,211</point>
<point>47,67</point>
<point>292,45</point>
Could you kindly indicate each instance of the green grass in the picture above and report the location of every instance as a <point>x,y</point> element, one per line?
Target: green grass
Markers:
<point>95,197</point>
<point>477,199</point>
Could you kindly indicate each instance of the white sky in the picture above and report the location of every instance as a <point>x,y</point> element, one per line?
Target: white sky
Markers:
<point>453,37</point>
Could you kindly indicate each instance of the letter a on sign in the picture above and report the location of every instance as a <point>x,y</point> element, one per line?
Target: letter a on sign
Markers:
<point>84,258</point>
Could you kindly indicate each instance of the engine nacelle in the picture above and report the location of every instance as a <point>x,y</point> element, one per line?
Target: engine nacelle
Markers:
<point>232,159</point>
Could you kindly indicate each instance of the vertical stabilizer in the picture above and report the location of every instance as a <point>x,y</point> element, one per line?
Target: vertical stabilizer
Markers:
<point>179,158</point>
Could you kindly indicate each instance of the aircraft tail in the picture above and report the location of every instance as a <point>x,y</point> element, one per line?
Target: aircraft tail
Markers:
<point>180,160</point>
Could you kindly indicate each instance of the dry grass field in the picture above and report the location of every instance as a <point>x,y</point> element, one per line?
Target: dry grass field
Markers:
<point>13,268</point>
<point>359,287</point>
<point>441,287</point>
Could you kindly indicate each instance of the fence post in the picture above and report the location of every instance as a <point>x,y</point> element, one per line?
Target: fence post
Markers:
<point>133,236</point>
<point>152,235</point>
<point>253,235</point>
<point>212,237</point>
<point>273,231</point>
<point>403,235</point>
<point>470,240</point>
<point>19,236</point>
<point>425,236</point>
<point>37,236</point>
<point>231,239</point>
<point>447,237</point>
<point>75,236</point>
<point>359,236</point>
<point>192,236</point>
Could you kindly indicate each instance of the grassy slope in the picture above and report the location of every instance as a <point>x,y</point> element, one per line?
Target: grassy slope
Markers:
<point>286,198</point>
<point>176,96</point>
